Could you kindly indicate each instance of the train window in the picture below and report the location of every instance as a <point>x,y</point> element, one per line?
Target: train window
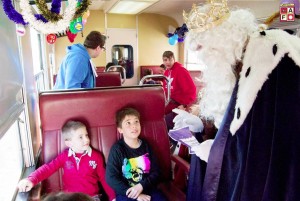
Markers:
<point>40,73</point>
<point>123,55</point>
<point>36,49</point>
<point>192,62</point>
<point>12,163</point>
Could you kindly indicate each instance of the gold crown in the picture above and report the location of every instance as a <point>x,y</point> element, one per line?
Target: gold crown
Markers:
<point>216,14</point>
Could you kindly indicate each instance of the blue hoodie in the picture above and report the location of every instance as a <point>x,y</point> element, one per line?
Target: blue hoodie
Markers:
<point>75,70</point>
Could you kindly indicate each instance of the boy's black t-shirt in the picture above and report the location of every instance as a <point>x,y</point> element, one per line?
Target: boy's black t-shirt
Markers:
<point>127,167</point>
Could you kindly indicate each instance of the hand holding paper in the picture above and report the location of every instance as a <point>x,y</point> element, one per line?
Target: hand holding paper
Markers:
<point>184,119</point>
<point>185,136</point>
<point>182,133</point>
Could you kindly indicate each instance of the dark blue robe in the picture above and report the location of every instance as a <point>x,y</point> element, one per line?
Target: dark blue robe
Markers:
<point>261,162</point>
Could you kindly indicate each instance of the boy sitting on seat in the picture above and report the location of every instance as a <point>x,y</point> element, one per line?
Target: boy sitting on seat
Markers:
<point>132,170</point>
<point>82,166</point>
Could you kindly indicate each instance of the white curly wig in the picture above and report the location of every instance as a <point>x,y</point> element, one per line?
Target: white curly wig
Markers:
<point>221,48</point>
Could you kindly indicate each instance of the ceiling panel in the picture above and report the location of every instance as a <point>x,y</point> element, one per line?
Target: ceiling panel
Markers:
<point>174,8</point>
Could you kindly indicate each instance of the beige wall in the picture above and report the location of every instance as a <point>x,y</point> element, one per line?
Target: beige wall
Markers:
<point>152,36</point>
<point>121,21</point>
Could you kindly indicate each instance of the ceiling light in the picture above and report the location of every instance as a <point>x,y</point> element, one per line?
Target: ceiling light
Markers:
<point>130,7</point>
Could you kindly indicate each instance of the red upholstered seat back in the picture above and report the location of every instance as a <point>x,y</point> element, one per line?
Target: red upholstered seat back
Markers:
<point>107,79</point>
<point>100,69</point>
<point>155,70</point>
<point>97,108</point>
<point>195,74</point>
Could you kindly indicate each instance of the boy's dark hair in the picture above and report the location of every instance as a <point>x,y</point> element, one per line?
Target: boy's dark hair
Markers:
<point>61,196</point>
<point>94,39</point>
<point>148,72</point>
<point>69,127</point>
<point>121,114</point>
<point>163,66</point>
<point>168,54</point>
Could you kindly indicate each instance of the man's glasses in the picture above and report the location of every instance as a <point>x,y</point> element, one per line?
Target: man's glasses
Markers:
<point>103,48</point>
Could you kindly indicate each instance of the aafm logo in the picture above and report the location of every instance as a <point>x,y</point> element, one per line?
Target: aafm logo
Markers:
<point>287,12</point>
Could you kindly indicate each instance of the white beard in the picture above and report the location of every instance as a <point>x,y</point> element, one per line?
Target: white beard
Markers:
<point>219,82</point>
<point>220,48</point>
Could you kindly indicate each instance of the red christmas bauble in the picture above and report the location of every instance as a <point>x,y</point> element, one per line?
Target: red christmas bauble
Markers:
<point>51,38</point>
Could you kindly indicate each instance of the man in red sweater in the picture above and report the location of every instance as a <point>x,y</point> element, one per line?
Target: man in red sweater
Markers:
<point>82,166</point>
<point>183,89</point>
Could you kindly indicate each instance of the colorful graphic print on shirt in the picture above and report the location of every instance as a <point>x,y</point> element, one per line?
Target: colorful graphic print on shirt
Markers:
<point>133,169</point>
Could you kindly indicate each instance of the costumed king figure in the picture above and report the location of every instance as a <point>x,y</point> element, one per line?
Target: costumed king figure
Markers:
<point>253,95</point>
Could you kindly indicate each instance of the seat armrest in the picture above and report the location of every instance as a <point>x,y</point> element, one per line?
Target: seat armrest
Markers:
<point>183,164</point>
<point>34,194</point>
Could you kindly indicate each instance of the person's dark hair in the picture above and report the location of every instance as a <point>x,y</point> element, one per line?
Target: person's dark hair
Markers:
<point>121,114</point>
<point>94,39</point>
<point>109,64</point>
<point>168,54</point>
<point>69,127</point>
<point>163,66</point>
<point>148,72</point>
<point>61,196</point>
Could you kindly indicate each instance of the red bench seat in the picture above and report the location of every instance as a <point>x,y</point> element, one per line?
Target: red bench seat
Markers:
<point>97,108</point>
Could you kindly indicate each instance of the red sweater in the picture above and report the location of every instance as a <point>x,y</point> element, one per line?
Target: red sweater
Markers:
<point>82,179</point>
<point>183,89</point>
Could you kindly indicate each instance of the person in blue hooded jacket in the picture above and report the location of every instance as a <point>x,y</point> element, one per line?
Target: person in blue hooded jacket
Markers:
<point>76,69</point>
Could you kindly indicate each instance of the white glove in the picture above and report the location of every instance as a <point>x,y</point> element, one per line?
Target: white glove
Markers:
<point>183,119</point>
<point>203,150</point>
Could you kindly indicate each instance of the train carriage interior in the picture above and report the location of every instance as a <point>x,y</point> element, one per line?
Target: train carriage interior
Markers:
<point>137,33</point>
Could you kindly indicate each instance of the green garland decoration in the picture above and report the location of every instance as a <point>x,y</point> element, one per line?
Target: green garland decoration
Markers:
<point>42,6</point>
<point>83,7</point>
<point>54,17</point>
